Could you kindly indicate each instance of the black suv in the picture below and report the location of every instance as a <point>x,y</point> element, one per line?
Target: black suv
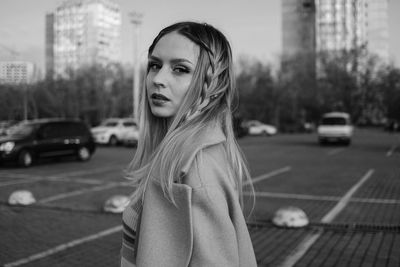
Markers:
<point>35,139</point>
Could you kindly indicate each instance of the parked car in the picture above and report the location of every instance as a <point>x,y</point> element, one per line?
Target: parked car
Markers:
<point>335,127</point>
<point>35,139</point>
<point>113,131</point>
<point>131,137</point>
<point>255,127</point>
<point>5,127</point>
<point>392,126</point>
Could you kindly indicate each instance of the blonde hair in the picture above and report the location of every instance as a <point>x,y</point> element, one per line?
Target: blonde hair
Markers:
<point>164,147</point>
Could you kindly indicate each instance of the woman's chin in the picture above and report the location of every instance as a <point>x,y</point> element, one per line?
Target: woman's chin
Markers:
<point>161,112</point>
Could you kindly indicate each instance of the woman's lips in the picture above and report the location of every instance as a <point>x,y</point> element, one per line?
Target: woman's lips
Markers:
<point>158,99</point>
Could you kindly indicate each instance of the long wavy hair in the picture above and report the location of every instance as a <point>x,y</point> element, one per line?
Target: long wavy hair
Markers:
<point>163,147</point>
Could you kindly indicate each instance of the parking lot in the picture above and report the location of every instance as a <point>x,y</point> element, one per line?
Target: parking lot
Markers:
<point>351,195</point>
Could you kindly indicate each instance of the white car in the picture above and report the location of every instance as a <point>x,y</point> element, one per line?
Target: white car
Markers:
<point>113,131</point>
<point>258,128</point>
<point>335,127</point>
<point>131,138</point>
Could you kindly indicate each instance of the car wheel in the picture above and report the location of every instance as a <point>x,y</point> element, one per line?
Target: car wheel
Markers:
<point>25,158</point>
<point>83,154</point>
<point>113,141</point>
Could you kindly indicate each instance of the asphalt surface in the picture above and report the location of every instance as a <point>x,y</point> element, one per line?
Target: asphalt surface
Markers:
<point>351,196</point>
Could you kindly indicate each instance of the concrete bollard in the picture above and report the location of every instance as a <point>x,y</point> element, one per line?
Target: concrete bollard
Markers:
<point>116,204</point>
<point>21,197</point>
<point>290,216</point>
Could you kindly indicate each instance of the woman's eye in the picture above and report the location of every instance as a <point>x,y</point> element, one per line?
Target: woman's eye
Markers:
<point>181,69</point>
<point>153,66</point>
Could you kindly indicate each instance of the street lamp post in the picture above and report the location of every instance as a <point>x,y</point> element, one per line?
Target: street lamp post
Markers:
<point>25,91</point>
<point>136,20</point>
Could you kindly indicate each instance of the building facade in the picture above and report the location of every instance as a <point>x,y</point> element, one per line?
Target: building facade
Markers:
<point>378,28</point>
<point>298,35</point>
<point>18,72</point>
<point>341,25</point>
<point>298,27</point>
<point>49,65</point>
<point>335,25</point>
<point>82,33</point>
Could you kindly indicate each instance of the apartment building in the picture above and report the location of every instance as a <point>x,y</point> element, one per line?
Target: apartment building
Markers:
<point>334,25</point>
<point>18,72</point>
<point>82,33</point>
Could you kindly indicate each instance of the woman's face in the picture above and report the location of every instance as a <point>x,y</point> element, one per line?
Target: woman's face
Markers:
<point>170,71</point>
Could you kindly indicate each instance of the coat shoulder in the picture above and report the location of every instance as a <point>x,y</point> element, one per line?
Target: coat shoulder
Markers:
<point>210,168</point>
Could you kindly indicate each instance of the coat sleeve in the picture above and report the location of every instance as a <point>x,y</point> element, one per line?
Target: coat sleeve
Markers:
<point>220,235</point>
<point>165,236</point>
<point>214,235</point>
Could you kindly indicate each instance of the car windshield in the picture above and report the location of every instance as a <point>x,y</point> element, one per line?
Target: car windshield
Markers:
<point>333,121</point>
<point>129,124</point>
<point>22,130</point>
<point>253,123</point>
<point>109,123</point>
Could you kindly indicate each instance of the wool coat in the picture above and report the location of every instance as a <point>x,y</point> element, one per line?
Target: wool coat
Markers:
<point>207,226</point>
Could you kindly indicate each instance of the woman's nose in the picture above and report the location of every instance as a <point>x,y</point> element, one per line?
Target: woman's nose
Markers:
<point>160,77</point>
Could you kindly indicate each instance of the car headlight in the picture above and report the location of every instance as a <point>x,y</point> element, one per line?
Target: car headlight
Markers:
<point>7,147</point>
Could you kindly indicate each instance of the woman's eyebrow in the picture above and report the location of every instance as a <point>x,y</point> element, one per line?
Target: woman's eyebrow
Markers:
<point>173,61</point>
<point>153,58</point>
<point>180,60</point>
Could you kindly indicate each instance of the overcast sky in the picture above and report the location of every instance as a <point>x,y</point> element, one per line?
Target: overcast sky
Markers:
<point>253,27</point>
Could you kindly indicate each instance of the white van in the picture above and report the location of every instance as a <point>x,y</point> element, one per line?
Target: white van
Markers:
<point>335,127</point>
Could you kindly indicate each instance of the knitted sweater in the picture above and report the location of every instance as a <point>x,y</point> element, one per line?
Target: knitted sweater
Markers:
<point>130,228</point>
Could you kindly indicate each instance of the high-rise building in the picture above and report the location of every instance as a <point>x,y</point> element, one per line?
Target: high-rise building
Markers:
<point>49,46</point>
<point>18,72</point>
<point>298,27</point>
<point>378,28</point>
<point>341,25</point>
<point>82,33</point>
<point>335,25</point>
<point>298,34</point>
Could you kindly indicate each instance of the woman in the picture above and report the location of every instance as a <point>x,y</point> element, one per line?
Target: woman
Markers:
<point>188,169</point>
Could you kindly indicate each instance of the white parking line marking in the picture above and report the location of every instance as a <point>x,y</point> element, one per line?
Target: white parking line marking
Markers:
<point>78,180</point>
<point>19,176</point>
<point>391,151</point>
<point>376,200</point>
<point>310,239</point>
<point>301,249</point>
<point>80,192</point>
<point>322,198</point>
<point>68,174</point>
<point>293,196</point>
<point>269,175</point>
<point>17,182</point>
<point>55,179</point>
<point>345,199</point>
<point>88,172</point>
<point>60,176</point>
<point>64,246</point>
<point>335,151</point>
